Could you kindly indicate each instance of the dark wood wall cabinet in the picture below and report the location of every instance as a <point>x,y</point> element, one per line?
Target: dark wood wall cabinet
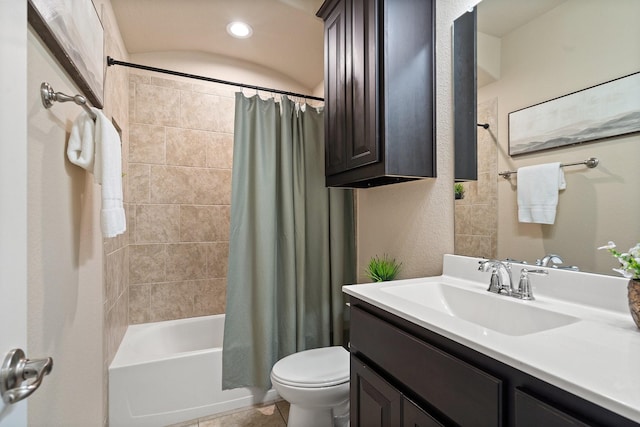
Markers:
<point>406,375</point>
<point>379,91</point>
<point>465,110</point>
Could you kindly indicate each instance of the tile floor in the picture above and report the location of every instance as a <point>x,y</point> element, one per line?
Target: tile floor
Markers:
<point>273,415</point>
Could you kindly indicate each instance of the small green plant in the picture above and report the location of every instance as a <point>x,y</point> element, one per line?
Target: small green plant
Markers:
<point>382,269</point>
<point>458,189</point>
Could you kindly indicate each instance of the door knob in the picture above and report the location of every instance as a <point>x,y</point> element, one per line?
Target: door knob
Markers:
<point>16,369</point>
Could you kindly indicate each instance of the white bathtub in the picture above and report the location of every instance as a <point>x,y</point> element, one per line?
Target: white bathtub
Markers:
<point>169,372</point>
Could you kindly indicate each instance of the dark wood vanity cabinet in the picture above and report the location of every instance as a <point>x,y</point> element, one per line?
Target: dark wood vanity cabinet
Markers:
<point>379,404</point>
<point>379,91</point>
<point>405,375</point>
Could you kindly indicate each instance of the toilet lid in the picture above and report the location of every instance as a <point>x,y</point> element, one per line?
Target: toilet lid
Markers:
<point>320,367</point>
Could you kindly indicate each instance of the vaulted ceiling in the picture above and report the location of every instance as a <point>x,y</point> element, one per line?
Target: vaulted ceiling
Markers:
<point>287,36</point>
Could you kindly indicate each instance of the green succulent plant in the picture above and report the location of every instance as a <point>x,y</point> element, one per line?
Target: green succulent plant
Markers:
<point>382,269</point>
<point>458,189</point>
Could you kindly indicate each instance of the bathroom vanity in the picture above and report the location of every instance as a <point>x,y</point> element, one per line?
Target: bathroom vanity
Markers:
<point>443,351</point>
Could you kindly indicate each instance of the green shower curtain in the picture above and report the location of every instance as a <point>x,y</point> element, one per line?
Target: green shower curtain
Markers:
<point>292,243</point>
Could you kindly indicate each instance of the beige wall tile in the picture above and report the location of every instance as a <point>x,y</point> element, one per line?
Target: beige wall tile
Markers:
<point>220,150</point>
<point>147,263</point>
<point>116,326</point>
<point>215,89</point>
<point>219,295</point>
<point>179,184</point>
<point>464,219</point>
<point>483,221</point>
<point>114,267</point>
<point>186,261</point>
<point>172,184</point>
<point>157,224</point>
<point>209,297</point>
<point>476,246</point>
<point>206,112</point>
<point>132,101</point>
<point>139,78</point>
<point>139,176</point>
<point>186,147</point>
<point>204,223</point>
<point>147,144</point>
<point>196,223</point>
<point>130,214</point>
<point>221,223</point>
<point>217,259</point>
<point>212,186</point>
<point>172,300</point>
<point>139,304</point>
<point>176,84</point>
<point>156,105</point>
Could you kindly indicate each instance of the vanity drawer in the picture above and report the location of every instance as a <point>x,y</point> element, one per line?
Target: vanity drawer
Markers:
<point>461,392</point>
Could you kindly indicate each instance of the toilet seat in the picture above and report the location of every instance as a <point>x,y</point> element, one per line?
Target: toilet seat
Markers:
<point>319,367</point>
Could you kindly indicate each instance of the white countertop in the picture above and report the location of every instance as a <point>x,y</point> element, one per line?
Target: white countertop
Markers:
<point>596,358</point>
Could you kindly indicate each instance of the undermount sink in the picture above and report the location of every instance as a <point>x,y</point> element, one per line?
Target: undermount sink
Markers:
<point>496,312</point>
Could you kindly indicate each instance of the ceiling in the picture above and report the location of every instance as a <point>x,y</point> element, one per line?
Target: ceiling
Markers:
<point>500,17</point>
<point>287,36</point>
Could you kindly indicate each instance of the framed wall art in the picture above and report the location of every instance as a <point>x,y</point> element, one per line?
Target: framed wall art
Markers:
<point>602,111</point>
<point>73,33</point>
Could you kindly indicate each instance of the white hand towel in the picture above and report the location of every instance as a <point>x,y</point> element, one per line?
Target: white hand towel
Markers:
<point>538,192</point>
<point>107,171</point>
<point>95,146</point>
<point>80,149</point>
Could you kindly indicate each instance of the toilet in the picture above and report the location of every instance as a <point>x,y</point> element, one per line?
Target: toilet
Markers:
<point>316,385</point>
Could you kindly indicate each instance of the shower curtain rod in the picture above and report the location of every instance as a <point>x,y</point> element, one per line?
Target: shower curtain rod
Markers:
<point>111,61</point>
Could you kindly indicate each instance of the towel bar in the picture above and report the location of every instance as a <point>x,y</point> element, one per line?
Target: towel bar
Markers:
<point>48,96</point>
<point>591,162</point>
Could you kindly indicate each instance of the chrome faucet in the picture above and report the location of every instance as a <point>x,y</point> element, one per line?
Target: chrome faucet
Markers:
<point>544,262</point>
<point>497,283</point>
<point>555,260</point>
<point>524,290</point>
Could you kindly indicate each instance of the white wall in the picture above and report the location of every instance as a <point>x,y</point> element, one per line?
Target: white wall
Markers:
<point>574,46</point>
<point>13,186</point>
<point>413,222</point>
<point>65,258</point>
<point>67,307</point>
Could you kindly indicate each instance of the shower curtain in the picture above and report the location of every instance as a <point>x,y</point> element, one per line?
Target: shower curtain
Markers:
<point>292,243</point>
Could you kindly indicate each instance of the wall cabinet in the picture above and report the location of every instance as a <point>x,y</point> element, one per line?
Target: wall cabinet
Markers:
<point>379,91</point>
<point>405,375</point>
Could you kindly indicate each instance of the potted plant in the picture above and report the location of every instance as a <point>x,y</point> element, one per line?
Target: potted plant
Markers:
<point>458,189</point>
<point>629,268</point>
<point>382,269</point>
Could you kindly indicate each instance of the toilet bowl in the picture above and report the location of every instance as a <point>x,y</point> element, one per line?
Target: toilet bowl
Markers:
<point>316,385</point>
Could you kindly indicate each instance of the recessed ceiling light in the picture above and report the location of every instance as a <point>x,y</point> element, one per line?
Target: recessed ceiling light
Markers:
<point>239,30</point>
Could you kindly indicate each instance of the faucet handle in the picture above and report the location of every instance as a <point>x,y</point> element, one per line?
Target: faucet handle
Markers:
<point>524,285</point>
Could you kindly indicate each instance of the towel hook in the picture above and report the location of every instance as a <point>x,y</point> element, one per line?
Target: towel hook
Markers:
<point>48,96</point>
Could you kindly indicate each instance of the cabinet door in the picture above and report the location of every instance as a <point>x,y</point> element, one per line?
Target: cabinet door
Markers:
<point>414,416</point>
<point>532,412</point>
<point>335,89</point>
<point>374,402</point>
<point>362,83</point>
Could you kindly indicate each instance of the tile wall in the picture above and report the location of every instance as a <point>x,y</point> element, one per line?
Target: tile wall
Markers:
<point>115,250</point>
<point>180,159</point>
<point>476,220</point>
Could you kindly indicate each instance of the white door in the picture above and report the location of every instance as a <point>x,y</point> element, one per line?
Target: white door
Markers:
<point>13,191</point>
